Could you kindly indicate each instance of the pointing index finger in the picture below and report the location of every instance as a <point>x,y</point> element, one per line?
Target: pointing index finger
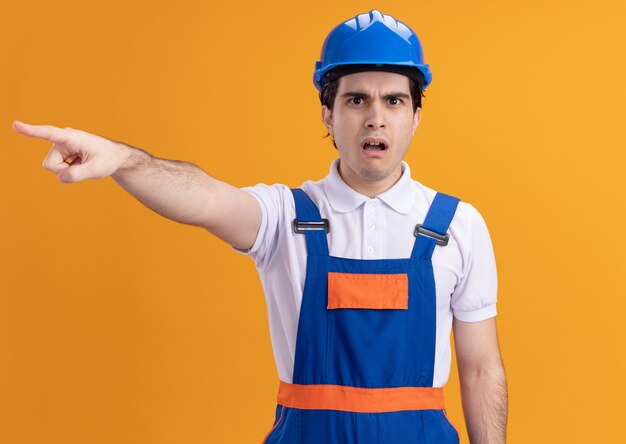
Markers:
<point>46,132</point>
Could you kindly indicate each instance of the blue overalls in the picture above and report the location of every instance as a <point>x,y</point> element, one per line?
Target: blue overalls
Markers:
<point>365,347</point>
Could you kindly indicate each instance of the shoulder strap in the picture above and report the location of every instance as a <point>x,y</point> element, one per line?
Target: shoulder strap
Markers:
<point>434,229</point>
<point>309,222</point>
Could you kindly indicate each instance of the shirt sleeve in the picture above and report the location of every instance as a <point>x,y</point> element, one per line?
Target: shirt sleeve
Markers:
<point>271,199</point>
<point>475,296</point>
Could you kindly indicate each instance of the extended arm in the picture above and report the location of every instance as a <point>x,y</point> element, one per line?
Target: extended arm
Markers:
<point>483,381</point>
<point>178,190</point>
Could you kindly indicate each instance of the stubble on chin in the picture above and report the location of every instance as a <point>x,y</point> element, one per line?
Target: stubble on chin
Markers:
<point>367,174</point>
<point>373,175</point>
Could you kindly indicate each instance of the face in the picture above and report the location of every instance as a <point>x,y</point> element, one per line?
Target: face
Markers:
<point>372,122</point>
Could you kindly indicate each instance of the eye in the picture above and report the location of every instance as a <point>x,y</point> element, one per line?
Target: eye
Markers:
<point>395,101</point>
<point>356,100</point>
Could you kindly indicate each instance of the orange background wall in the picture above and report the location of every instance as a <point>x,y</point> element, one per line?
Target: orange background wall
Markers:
<point>117,325</point>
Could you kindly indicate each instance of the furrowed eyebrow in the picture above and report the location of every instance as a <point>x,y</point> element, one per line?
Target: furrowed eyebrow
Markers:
<point>397,95</point>
<point>364,95</point>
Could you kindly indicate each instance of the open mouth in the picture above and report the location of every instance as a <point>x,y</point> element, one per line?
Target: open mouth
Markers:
<point>374,146</point>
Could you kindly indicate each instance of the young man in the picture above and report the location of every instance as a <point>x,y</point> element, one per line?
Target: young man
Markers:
<point>365,271</point>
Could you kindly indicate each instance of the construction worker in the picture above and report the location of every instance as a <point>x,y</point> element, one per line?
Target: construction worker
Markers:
<point>365,272</point>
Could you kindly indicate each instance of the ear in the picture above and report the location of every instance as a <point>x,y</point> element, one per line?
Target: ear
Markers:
<point>327,117</point>
<point>416,119</point>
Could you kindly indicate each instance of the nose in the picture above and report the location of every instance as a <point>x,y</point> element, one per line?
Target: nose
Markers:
<point>375,118</point>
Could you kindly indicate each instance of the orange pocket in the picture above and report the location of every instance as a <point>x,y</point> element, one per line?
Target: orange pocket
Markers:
<point>379,291</point>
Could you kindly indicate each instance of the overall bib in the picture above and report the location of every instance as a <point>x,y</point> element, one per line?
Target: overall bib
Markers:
<point>365,347</point>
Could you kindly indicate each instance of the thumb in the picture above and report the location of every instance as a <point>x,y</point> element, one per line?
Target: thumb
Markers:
<point>59,173</point>
<point>74,173</point>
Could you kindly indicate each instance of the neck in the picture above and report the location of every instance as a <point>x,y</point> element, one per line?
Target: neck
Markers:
<point>369,188</point>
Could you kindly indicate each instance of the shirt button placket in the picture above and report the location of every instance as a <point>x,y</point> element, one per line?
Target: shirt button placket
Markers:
<point>369,235</point>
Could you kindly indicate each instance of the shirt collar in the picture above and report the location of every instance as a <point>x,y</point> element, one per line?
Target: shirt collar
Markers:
<point>344,199</point>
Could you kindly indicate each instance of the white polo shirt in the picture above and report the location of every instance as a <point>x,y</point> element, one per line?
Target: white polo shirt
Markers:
<point>364,228</point>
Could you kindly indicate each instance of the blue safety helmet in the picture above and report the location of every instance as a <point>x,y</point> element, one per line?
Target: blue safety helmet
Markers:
<point>371,42</point>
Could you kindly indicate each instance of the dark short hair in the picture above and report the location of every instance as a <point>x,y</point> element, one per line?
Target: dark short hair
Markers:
<point>329,92</point>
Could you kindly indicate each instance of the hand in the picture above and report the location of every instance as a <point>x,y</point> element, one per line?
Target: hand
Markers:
<point>77,155</point>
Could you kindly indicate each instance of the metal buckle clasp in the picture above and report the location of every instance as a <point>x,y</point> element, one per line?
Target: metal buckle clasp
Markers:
<point>441,239</point>
<point>301,227</point>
